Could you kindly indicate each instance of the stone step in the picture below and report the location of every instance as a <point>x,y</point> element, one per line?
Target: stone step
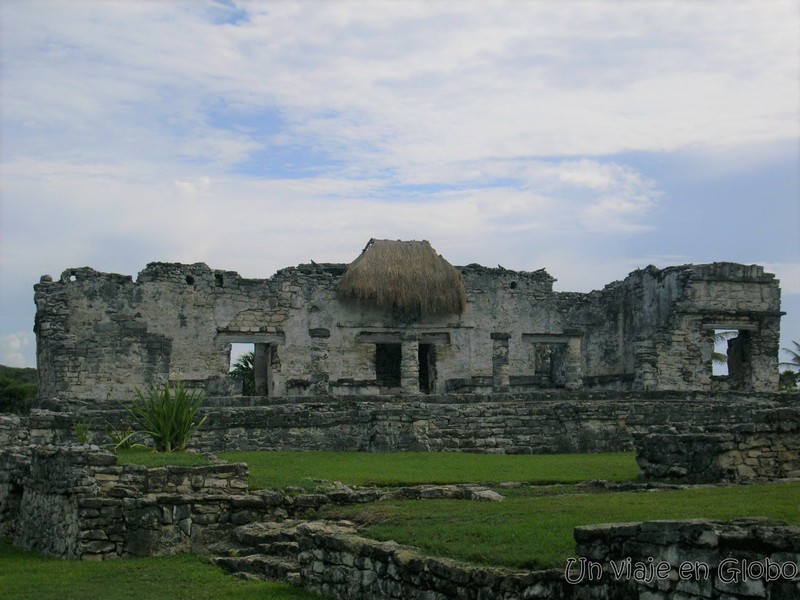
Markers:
<point>259,566</point>
<point>255,534</point>
<point>289,549</point>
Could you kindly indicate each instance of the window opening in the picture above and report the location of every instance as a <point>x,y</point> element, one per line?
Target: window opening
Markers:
<point>388,358</point>
<point>720,366</point>
<point>550,363</point>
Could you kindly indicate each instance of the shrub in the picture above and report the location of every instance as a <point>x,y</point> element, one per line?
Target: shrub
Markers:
<point>168,417</point>
<point>17,391</point>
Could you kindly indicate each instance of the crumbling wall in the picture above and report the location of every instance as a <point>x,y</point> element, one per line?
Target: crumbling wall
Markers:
<point>74,502</point>
<point>102,335</point>
<point>655,329</point>
<point>741,559</point>
<point>765,446</point>
<point>656,560</point>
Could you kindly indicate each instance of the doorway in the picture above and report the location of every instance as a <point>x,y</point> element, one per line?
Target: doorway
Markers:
<point>252,365</point>
<point>427,368</point>
<point>388,358</point>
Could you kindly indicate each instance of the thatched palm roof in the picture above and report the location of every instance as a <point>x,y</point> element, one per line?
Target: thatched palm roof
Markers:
<point>408,278</point>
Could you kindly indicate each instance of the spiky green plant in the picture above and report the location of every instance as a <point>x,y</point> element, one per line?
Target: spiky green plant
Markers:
<point>168,417</point>
<point>82,432</point>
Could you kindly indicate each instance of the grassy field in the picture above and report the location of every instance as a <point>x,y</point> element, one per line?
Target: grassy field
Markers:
<point>532,528</point>
<point>536,531</point>
<point>25,575</point>
<point>300,469</point>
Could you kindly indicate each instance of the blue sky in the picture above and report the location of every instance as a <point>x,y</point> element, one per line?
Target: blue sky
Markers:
<point>587,138</point>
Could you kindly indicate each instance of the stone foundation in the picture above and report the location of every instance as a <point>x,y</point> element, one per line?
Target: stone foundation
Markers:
<point>766,446</point>
<point>565,422</point>
<point>75,502</point>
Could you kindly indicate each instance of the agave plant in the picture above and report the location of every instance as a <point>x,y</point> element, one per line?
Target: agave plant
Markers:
<point>168,417</point>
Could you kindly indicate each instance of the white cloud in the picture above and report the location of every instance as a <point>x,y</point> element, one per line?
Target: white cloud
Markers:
<point>408,83</point>
<point>15,348</point>
<point>139,131</point>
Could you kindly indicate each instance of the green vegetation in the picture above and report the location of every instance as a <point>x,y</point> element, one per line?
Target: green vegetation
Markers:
<point>300,469</point>
<point>17,389</point>
<point>243,371</point>
<point>150,458</point>
<point>168,417</point>
<point>26,575</point>
<point>790,378</point>
<point>536,531</point>
<point>794,356</point>
<point>532,528</point>
<point>82,433</point>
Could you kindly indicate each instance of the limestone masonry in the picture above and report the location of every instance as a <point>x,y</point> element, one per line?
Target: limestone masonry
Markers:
<point>401,320</point>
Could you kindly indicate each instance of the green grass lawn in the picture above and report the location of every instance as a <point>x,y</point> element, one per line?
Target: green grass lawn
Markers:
<point>536,531</point>
<point>25,575</point>
<point>531,528</point>
<point>299,469</point>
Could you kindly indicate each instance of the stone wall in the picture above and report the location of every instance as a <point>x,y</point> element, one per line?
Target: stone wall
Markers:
<point>100,335</point>
<point>74,502</point>
<point>13,430</point>
<point>660,560</point>
<point>766,446</point>
<point>509,423</point>
<point>680,560</point>
<point>340,564</point>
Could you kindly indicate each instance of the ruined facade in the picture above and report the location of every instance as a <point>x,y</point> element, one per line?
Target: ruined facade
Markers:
<point>100,335</point>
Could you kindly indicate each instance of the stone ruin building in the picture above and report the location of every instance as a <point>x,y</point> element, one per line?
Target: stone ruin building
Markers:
<point>401,351</point>
<point>400,319</point>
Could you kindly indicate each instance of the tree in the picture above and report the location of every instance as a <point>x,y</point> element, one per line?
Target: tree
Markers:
<point>243,371</point>
<point>17,389</point>
<point>787,381</point>
<point>790,376</point>
<point>794,356</point>
<point>720,358</point>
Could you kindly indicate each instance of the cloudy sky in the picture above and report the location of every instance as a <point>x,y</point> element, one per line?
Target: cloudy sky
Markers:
<point>587,138</point>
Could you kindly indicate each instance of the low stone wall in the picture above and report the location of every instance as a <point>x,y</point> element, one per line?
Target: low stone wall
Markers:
<point>75,502</point>
<point>766,447</point>
<point>564,422</point>
<point>337,563</point>
<point>660,560</point>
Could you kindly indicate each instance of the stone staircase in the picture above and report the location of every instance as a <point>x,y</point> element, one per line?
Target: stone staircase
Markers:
<point>263,551</point>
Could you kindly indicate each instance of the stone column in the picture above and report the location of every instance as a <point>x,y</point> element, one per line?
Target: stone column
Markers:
<point>261,371</point>
<point>500,377</point>
<point>574,363</point>
<point>409,364</point>
<point>319,361</point>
